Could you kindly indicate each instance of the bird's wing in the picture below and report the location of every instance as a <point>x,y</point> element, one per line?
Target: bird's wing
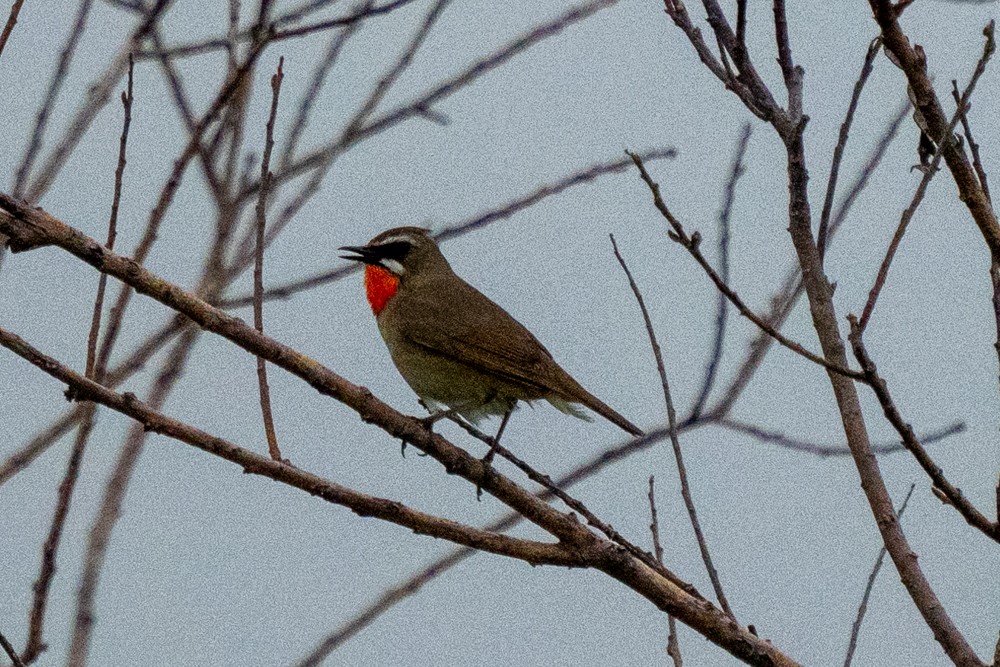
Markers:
<point>482,336</point>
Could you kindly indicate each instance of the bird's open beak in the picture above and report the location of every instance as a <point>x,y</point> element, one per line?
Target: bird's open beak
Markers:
<point>362,254</point>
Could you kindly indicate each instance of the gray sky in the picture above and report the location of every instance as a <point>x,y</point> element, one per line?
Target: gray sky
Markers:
<point>212,567</point>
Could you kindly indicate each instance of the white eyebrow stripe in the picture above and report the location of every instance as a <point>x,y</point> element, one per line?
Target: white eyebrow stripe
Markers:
<point>393,266</point>
<point>401,238</point>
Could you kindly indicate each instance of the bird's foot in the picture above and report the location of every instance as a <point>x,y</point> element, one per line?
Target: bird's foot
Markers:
<point>487,462</point>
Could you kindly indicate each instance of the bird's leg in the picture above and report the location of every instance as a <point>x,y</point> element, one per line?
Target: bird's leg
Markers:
<point>488,459</point>
<point>435,415</point>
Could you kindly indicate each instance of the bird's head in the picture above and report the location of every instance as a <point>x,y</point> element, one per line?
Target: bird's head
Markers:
<point>396,256</point>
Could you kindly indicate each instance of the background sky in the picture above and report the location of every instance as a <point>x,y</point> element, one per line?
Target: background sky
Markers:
<point>209,566</point>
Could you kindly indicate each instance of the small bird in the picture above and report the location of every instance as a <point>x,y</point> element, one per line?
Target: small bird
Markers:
<point>453,345</point>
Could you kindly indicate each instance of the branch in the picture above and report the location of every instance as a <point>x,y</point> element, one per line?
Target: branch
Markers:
<point>824,451</point>
<point>838,151</point>
<point>9,650</point>
<point>27,226</point>
<point>258,271</point>
<point>914,67</point>
<point>691,244</point>
<point>736,170</point>
<point>942,144</point>
<point>706,556</point>
<point>673,647</point>
<point>15,9</point>
<point>361,504</point>
<point>944,489</point>
<point>863,607</point>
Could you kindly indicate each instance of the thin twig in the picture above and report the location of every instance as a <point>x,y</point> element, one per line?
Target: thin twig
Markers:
<point>35,644</point>
<point>151,419</point>
<point>420,106</point>
<point>691,244</point>
<point>9,650</point>
<point>674,441</point>
<point>948,493</point>
<point>95,324</point>
<point>838,151</point>
<point>36,619</point>
<point>55,84</point>
<point>673,647</point>
<point>166,198</point>
<point>929,171</point>
<point>722,310</point>
<point>824,451</point>
<point>911,59</point>
<point>791,73</point>
<point>15,9</point>
<point>863,607</point>
<point>258,271</point>
<point>784,300</point>
<point>99,537</point>
<point>319,76</point>
<point>576,505</point>
<point>977,163</point>
<point>220,44</point>
<point>507,210</point>
<point>98,95</point>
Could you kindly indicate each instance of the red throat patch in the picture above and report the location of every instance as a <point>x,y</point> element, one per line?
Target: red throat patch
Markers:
<point>380,285</point>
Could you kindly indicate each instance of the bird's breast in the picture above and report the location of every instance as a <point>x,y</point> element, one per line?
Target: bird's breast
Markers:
<point>380,286</point>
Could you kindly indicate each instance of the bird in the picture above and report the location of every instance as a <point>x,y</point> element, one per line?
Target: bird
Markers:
<point>460,352</point>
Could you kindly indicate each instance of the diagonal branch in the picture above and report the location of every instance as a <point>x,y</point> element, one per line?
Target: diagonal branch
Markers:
<point>706,556</point>
<point>360,503</point>
<point>947,491</point>
<point>691,244</point>
<point>31,227</point>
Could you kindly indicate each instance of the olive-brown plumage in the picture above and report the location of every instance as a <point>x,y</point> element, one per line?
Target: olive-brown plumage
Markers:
<point>453,345</point>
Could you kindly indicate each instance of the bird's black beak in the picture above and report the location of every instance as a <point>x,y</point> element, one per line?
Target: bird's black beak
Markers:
<point>362,254</point>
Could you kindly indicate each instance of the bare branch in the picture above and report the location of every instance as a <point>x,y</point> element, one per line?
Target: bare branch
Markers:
<point>9,650</point>
<point>706,556</point>
<point>722,310</point>
<point>946,139</point>
<point>35,644</point>
<point>151,419</point>
<point>863,607</point>
<point>782,440</point>
<point>258,271</point>
<point>913,65</point>
<point>838,151</point>
<point>691,244</point>
<point>95,324</point>
<point>673,647</point>
<point>977,163</point>
<point>15,9</point>
<point>784,300</point>
<point>55,85</point>
<point>98,95</point>
<point>949,493</point>
<point>482,220</point>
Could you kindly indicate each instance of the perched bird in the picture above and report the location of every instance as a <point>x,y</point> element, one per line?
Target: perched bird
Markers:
<point>453,345</point>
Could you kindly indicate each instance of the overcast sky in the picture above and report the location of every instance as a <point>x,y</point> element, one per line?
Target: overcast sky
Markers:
<point>208,566</point>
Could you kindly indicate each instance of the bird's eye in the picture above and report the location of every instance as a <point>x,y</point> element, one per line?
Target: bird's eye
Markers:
<point>396,250</point>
